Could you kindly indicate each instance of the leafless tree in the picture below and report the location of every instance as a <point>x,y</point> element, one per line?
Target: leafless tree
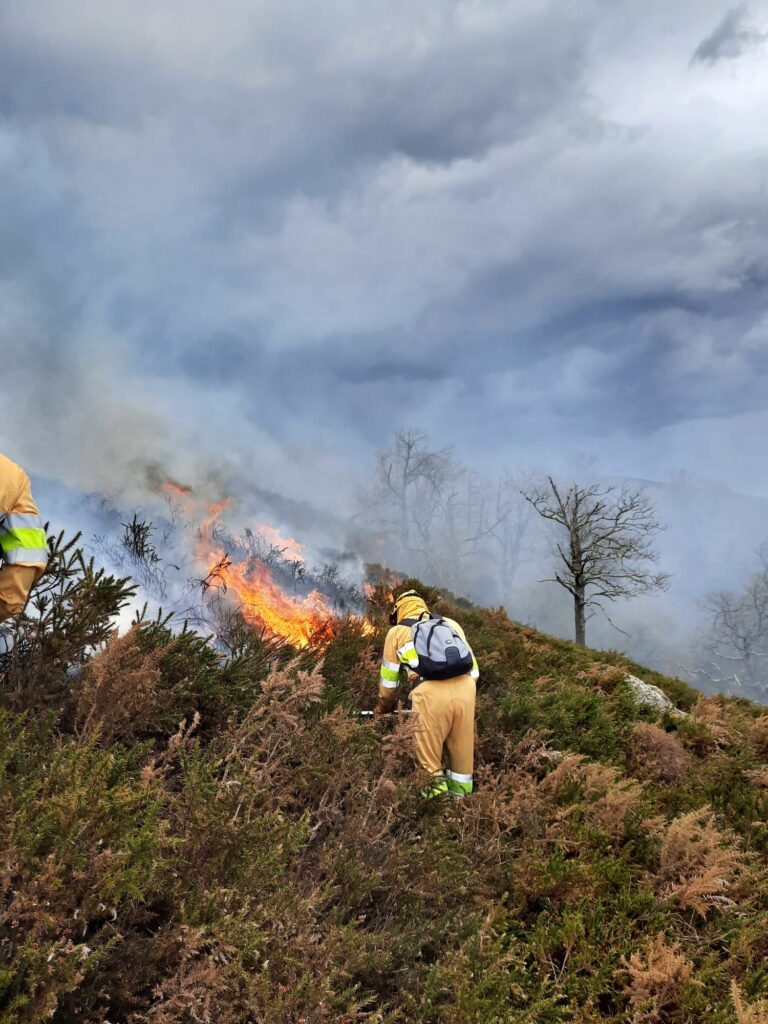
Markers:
<point>408,489</point>
<point>602,544</point>
<point>738,632</point>
<point>509,521</point>
<point>441,519</point>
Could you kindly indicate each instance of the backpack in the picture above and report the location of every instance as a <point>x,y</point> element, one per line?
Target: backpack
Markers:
<point>442,652</point>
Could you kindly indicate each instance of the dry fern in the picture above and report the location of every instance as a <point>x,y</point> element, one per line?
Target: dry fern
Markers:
<point>700,864</point>
<point>658,977</point>
<point>659,754</point>
<point>748,1013</point>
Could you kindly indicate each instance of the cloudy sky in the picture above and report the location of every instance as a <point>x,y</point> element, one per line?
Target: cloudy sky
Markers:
<point>259,234</point>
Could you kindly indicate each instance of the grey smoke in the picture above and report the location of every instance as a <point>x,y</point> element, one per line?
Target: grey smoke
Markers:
<point>731,37</point>
<point>242,243</point>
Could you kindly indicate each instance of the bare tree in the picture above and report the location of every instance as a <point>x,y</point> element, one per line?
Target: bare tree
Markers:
<point>738,632</point>
<point>408,490</point>
<point>602,544</point>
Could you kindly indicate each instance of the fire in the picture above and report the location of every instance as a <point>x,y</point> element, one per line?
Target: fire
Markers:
<point>290,548</point>
<point>173,487</point>
<point>263,602</point>
<point>265,605</point>
<point>213,512</point>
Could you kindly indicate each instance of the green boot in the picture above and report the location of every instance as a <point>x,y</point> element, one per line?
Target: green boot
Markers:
<point>436,787</point>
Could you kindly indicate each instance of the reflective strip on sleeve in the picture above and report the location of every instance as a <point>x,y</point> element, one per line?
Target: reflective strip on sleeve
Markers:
<point>22,538</point>
<point>394,665</point>
<point>389,677</point>
<point>475,673</point>
<point>20,521</point>
<point>37,556</point>
<point>408,656</point>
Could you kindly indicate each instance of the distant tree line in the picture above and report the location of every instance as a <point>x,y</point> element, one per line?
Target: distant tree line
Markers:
<point>736,639</point>
<point>439,519</point>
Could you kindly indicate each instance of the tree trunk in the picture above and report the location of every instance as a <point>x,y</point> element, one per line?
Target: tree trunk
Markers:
<point>580,613</point>
<point>405,527</point>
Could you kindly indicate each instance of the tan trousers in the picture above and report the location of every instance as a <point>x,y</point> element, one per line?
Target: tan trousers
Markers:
<point>16,581</point>
<point>446,711</point>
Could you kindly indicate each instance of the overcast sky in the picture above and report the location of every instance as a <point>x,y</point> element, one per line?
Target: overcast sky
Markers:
<point>263,233</point>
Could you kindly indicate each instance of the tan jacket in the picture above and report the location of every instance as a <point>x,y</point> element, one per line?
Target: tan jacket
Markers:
<point>398,641</point>
<point>16,499</point>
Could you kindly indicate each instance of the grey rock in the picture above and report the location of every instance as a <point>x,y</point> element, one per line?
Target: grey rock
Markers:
<point>651,696</point>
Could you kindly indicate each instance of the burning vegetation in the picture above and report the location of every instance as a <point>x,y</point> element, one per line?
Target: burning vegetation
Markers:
<point>263,602</point>
<point>262,574</point>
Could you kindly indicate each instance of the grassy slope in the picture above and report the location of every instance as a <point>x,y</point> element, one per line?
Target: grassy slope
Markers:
<point>272,862</point>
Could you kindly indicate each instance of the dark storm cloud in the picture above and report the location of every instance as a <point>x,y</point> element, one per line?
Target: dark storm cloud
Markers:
<point>730,37</point>
<point>258,238</point>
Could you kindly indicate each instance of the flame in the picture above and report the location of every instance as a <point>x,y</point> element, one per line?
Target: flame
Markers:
<point>212,514</point>
<point>290,548</point>
<point>263,603</point>
<point>173,487</point>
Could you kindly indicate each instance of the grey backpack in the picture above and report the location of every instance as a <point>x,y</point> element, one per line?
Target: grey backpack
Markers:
<point>442,652</point>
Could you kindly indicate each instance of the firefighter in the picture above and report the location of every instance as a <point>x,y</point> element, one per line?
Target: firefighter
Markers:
<point>23,544</point>
<point>434,651</point>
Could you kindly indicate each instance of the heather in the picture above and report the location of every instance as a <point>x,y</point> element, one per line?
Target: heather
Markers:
<point>206,833</point>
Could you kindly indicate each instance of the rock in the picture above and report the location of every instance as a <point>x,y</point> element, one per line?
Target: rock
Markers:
<point>651,696</point>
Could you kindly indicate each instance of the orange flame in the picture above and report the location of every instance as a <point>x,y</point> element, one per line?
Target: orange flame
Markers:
<point>263,603</point>
<point>214,511</point>
<point>173,487</point>
<point>290,548</point>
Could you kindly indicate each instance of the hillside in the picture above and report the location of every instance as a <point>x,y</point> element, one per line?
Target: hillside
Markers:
<point>268,859</point>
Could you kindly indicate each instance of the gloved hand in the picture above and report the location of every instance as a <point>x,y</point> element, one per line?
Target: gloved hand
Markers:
<point>382,709</point>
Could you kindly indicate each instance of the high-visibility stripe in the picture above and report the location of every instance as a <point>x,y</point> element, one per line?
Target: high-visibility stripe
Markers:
<point>459,789</point>
<point>14,520</point>
<point>407,654</point>
<point>459,784</point>
<point>390,677</point>
<point>438,786</point>
<point>475,673</point>
<point>394,665</point>
<point>22,537</point>
<point>37,556</point>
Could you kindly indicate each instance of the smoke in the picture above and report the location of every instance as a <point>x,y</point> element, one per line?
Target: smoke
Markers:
<point>239,246</point>
<point>730,38</point>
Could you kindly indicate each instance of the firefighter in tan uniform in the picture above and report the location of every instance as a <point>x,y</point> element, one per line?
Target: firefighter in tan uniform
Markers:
<point>445,706</point>
<point>23,544</point>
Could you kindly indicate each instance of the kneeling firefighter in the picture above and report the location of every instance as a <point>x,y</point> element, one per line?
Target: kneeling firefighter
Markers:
<point>23,544</point>
<point>435,651</point>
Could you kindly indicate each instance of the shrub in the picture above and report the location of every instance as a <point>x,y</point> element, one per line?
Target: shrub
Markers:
<point>659,754</point>
<point>700,864</point>
<point>754,1013</point>
<point>659,981</point>
<point>758,734</point>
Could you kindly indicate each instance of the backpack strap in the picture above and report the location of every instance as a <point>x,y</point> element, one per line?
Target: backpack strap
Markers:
<point>429,637</point>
